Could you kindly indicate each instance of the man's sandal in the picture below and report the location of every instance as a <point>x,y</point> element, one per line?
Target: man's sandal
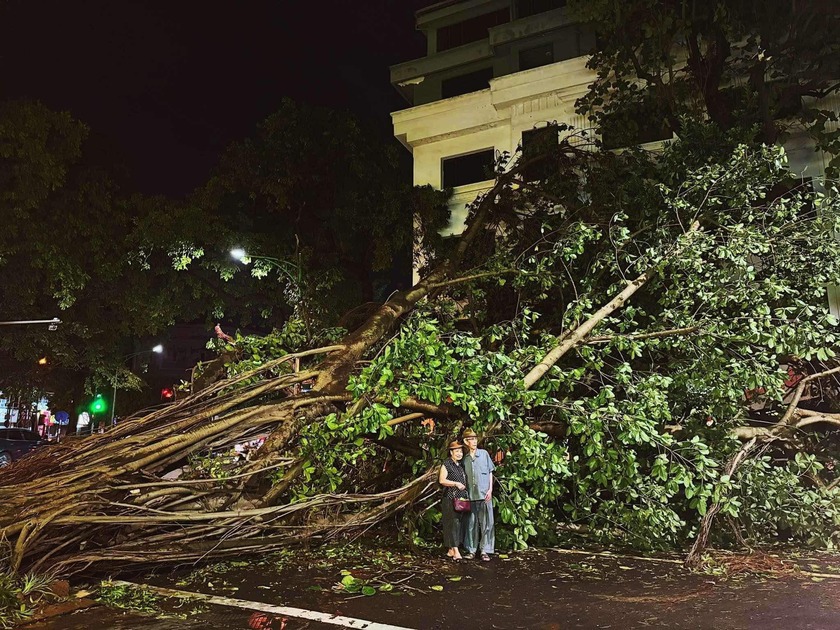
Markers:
<point>468,556</point>
<point>485,557</point>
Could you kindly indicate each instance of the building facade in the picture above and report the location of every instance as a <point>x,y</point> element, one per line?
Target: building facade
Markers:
<point>494,70</point>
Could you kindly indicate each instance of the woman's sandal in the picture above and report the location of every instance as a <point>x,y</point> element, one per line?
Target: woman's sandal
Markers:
<point>485,557</point>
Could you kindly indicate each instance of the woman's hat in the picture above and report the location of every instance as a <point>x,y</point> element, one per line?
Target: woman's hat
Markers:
<point>455,444</point>
<point>469,433</point>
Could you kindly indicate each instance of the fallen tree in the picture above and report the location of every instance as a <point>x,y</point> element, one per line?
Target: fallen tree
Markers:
<point>702,282</point>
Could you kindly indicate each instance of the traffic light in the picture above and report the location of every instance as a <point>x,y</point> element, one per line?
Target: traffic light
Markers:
<point>167,394</point>
<point>98,405</point>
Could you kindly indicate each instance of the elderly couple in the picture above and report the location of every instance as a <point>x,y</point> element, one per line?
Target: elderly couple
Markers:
<point>467,504</point>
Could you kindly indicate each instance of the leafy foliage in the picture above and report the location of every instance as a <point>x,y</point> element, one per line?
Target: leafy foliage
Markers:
<point>21,595</point>
<point>628,435</point>
<point>781,502</point>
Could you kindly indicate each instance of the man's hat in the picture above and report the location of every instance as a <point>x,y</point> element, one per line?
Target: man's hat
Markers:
<point>469,433</point>
<point>454,445</point>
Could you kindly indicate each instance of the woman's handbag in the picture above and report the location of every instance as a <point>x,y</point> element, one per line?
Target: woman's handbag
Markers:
<point>461,505</point>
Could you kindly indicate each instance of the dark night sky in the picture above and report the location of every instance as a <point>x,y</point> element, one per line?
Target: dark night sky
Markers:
<point>165,85</point>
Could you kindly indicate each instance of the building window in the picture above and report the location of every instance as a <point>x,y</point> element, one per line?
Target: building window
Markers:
<point>539,139</point>
<point>525,8</point>
<point>536,57</point>
<point>468,169</point>
<point>536,142</point>
<point>472,30</point>
<point>466,83</point>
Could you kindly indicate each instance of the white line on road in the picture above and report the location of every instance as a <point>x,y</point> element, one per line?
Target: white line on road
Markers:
<point>288,611</point>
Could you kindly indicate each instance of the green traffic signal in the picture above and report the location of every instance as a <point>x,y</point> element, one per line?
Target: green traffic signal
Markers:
<point>98,405</point>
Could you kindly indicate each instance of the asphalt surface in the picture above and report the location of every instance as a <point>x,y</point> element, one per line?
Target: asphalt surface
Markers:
<point>545,589</point>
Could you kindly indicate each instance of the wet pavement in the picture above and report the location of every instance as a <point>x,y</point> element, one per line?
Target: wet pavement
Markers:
<point>544,589</point>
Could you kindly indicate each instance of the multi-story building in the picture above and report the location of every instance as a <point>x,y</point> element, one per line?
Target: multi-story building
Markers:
<point>495,70</point>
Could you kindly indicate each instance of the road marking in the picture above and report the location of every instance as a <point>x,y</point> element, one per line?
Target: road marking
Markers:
<point>288,611</point>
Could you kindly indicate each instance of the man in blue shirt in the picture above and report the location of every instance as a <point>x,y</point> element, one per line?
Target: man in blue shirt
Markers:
<point>480,527</point>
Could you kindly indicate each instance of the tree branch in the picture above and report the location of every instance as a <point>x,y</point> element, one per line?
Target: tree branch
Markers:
<point>671,332</point>
<point>470,278</point>
<point>553,429</point>
<point>406,418</point>
<point>584,329</point>
<point>762,437</point>
<point>429,409</point>
<point>797,394</point>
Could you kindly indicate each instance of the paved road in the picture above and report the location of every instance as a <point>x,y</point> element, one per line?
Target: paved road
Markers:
<point>545,589</point>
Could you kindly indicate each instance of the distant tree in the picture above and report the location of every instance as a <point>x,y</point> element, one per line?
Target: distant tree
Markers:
<point>75,246</point>
<point>316,190</point>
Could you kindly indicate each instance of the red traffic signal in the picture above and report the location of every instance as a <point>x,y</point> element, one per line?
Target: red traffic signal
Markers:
<point>167,393</point>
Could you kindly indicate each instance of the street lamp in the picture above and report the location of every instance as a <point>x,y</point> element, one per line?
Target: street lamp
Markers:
<point>292,271</point>
<point>156,349</point>
<point>240,255</point>
<point>52,323</point>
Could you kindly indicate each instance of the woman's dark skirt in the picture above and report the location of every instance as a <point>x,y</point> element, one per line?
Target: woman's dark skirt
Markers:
<point>454,524</point>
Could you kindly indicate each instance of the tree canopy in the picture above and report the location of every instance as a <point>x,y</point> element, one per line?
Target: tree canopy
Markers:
<point>757,71</point>
<point>78,248</point>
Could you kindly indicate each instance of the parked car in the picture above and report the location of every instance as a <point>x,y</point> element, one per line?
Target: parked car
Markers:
<point>15,443</point>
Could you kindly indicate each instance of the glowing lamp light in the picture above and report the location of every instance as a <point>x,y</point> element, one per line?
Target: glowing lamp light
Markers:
<point>157,349</point>
<point>167,393</point>
<point>239,254</point>
<point>42,361</point>
<point>98,405</point>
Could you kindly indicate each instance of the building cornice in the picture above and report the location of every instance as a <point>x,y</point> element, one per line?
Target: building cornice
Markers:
<point>529,26</point>
<point>401,73</point>
<point>442,10</point>
<point>462,115</point>
<point>567,79</point>
<point>445,119</point>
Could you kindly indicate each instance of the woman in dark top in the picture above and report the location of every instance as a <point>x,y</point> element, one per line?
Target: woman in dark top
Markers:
<point>454,481</point>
